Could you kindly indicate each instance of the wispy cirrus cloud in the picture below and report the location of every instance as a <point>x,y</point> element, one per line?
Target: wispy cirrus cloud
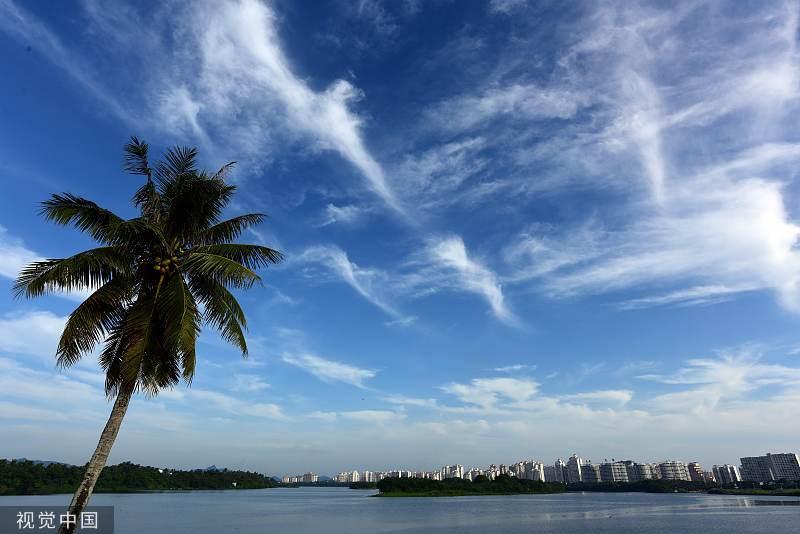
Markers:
<point>348,214</point>
<point>330,370</point>
<point>224,59</point>
<point>367,282</point>
<point>468,274</point>
<point>515,368</point>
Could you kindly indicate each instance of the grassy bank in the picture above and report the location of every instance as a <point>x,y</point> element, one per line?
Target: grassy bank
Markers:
<point>456,487</point>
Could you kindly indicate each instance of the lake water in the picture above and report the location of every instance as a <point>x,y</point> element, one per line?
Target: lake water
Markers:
<point>341,510</point>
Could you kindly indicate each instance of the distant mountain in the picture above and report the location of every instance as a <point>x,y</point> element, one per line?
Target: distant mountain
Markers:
<point>323,478</point>
<point>211,469</point>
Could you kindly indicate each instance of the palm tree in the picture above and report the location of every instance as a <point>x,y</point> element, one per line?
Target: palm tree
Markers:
<point>155,279</point>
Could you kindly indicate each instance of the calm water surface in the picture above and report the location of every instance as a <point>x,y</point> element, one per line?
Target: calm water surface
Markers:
<point>340,510</point>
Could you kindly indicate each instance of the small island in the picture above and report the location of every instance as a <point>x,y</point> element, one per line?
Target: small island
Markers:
<point>456,487</point>
<point>25,477</point>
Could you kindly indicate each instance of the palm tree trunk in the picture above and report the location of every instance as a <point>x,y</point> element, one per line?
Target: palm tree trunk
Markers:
<point>99,458</point>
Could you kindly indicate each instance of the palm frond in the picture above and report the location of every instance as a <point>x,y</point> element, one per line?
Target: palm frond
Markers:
<point>86,270</point>
<point>192,204</point>
<point>92,319</point>
<point>111,357</point>
<point>84,214</point>
<point>135,161</point>
<point>229,230</point>
<point>224,270</point>
<point>222,310</point>
<point>177,162</point>
<point>180,320</point>
<point>223,171</point>
<point>251,256</point>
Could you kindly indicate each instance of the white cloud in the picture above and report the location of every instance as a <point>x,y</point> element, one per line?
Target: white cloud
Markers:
<point>470,275</point>
<point>506,6</point>
<point>723,237</point>
<point>378,417</point>
<point>242,382</point>
<point>329,370</point>
<point>223,60</point>
<point>517,101</point>
<point>323,416</point>
<point>435,176</point>
<point>514,368</point>
<point>619,396</point>
<point>402,400</point>
<point>10,410</point>
<point>240,64</point>
<point>349,214</point>
<point>487,392</point>
<point>693,296</point>
<point>24,27</point>
<point>33,333</point>
<point>237,406</point>
<point>367,282</point>
<point>14,255</point>
<point>714,381</point>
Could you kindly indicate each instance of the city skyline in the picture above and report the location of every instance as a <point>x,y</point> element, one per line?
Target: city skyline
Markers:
<point>508,227</point>
<point>771,466</point>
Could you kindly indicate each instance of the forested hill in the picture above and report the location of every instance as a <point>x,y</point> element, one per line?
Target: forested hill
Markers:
<point>30,478</point>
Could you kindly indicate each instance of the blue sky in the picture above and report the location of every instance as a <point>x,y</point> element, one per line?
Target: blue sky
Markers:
<point>513,229</point>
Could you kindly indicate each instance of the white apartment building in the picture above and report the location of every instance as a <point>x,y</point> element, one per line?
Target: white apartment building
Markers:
<point>726,474</point>
<point>591,473</point>
<point>452,471</point>
<point>673,470</point>
<point>637,471</point>
<point>575,469</point>
<point>613,472</point>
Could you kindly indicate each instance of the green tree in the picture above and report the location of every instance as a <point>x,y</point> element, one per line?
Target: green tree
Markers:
<point>155,280</point>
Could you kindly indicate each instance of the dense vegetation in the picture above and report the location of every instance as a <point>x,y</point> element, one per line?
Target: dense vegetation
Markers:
<point>363,485</point>
<point>502,485</point>
<point>648,486</point>
<point>30,478</point>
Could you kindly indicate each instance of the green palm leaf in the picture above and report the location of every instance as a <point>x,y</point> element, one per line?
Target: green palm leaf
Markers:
<point>223,270</point>
<point>229,230</point>
<point>92,319</point>
<point>85,270</point>
<point>251,256</point>
<point>87,216</point>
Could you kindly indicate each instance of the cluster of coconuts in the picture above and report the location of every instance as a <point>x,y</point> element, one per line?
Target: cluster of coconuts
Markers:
<point>165,265</point>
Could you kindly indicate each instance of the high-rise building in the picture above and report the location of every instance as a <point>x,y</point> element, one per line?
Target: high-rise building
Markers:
<point>561,470</point>
<point>591,473</point>
<point>782,466</point>
<point>310,477</point>
<point>673,470</point>
<point>574,469</point>
<point>613,472</point>
<point>452,471</point>
<point>556,472</point>
<point>726,474</point>
<point>695,472</point>
<point>637,471</point>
